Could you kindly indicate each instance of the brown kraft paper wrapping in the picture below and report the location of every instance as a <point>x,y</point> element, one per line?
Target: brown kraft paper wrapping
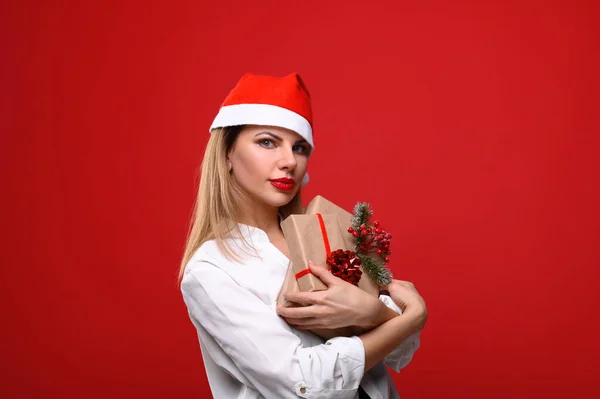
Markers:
<point>321,205</point>
<point>305,242</point>
<point>338,237</point>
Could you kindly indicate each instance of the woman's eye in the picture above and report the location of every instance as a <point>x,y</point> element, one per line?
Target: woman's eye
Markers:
<point>266,143</point>
<point>300,149</point>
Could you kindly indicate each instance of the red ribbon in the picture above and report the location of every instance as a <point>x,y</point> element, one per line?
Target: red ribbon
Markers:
<point>303,273</point>
<point>324,234</point>
<point>325,242</point>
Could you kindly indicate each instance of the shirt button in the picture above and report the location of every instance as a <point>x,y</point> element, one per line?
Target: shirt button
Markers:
<point>302,389</point>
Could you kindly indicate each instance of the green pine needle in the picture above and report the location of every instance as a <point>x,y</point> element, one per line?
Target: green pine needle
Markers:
<point>376,269</point>
<point>373,266</point>
<point>362,215</point>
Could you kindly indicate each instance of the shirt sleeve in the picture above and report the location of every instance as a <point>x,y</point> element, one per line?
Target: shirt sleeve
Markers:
<point>263,346</point>
<point>402,355</point>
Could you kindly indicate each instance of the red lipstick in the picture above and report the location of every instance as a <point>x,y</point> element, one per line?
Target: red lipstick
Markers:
<point>285,183</point>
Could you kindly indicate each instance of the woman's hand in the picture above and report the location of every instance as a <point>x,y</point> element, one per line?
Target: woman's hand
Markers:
<point>405,295</point>
<point>341,305</point>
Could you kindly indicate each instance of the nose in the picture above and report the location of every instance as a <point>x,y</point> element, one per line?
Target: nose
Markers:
<point>287,159</point>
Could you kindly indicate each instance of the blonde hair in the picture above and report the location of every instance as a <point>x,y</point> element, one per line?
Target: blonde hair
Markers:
<point>218,197</point>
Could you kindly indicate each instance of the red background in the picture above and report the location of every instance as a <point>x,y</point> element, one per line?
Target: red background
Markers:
<point>472,128</point>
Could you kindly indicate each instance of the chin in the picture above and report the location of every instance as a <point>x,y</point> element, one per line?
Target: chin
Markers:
<point>272,197</point>
<point>277,199</point>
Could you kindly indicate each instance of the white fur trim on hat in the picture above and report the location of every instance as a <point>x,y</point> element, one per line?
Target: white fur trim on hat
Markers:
<point>305,180</point>
<point>263,114</point>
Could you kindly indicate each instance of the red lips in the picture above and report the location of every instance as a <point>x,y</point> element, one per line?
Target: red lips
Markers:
<point>284,183</point>
<point>285,180</point>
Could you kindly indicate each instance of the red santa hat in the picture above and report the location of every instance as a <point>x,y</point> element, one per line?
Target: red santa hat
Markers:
<point>268,100</point>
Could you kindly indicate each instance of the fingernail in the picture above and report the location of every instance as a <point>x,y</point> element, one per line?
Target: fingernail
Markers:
<point>310,262</point>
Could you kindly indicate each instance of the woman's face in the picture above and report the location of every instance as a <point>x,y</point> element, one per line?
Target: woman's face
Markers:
<point>269,163</point>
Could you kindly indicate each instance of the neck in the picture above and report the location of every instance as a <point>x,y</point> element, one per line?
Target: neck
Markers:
<point>262,216</point>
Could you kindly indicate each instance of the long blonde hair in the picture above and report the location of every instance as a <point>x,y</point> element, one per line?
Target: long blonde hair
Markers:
<point>218,198</point>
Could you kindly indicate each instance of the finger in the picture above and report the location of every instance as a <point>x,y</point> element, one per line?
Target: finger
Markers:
<point>300,322</point>
<point>315,326</point>
<point>303,298</point>
<point>391,284</point>
<point>320,325</point>
<point>289,304</point>
<point>322,273</point>
<point>298,313</point>
<point>402,283</point>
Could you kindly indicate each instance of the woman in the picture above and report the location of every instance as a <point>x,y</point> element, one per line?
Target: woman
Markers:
<point>236,259</point>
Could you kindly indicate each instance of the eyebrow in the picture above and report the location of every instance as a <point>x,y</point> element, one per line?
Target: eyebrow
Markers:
<point>301,141</point>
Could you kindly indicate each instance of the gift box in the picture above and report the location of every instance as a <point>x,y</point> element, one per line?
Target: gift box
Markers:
<point>323,206</point>
<point>313,235</point>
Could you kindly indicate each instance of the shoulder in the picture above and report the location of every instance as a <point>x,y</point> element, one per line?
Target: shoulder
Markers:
<point>210,272</point>
<point>204,267</point>
<point>210,256</point>
<point>208,251</point>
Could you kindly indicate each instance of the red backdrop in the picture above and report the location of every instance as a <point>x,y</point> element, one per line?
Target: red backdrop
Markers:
<point>472,128</point>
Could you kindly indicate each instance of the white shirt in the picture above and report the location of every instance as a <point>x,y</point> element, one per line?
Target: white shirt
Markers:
<point>250,352</point>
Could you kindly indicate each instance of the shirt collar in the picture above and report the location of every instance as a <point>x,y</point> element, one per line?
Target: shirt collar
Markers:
<point>252,232</point>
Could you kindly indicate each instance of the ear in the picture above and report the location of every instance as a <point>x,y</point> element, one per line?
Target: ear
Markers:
<point>229,165</point>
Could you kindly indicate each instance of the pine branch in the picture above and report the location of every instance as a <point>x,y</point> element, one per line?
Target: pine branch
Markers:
<point>372,244</point>
<point>376,270</point>
<point>362,215</point>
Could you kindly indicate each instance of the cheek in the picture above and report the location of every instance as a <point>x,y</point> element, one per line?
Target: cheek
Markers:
<point>302,164</point>
<point>248,166</point>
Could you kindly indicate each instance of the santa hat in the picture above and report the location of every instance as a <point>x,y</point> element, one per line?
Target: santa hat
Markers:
<point>271,101</point>
<point>268,100</point>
